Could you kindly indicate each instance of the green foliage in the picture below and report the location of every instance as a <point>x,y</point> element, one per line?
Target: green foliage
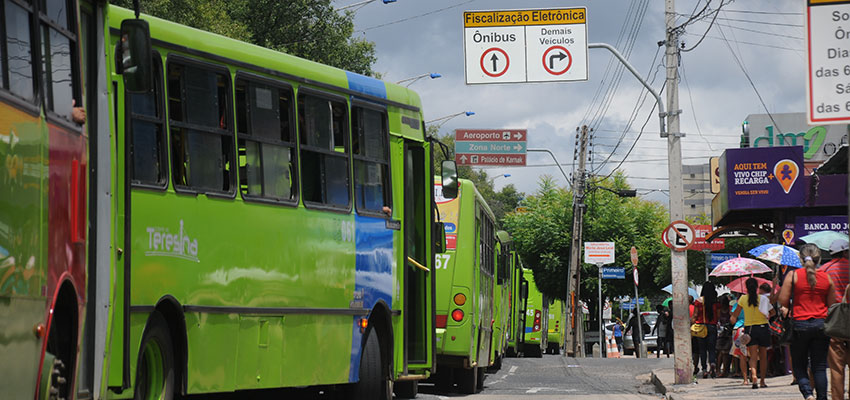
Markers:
<point>543,236</point>
<point>311,29</point>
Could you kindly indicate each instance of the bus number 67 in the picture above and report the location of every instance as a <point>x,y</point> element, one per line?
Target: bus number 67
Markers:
<point>443,261</point>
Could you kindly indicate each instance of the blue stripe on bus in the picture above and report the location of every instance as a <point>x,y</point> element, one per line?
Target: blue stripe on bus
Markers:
<point>528,329</point>
<point>373,279</point>
<point>366,85</point>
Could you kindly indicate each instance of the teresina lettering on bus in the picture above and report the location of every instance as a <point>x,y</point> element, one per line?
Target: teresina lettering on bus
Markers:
<point>493,37</point>
<point>163,243</point>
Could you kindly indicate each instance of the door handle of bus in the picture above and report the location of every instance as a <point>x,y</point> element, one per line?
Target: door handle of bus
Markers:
<point>418,265</point>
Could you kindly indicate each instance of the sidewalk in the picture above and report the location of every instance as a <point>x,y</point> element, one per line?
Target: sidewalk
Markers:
<point>723,388</point>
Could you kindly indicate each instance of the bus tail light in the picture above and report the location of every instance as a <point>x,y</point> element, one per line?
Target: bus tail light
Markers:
<point>364,323</point>
<point>460,299</point>
<point>457,315</point>
<point>441,320</point>
<point>537,315</point>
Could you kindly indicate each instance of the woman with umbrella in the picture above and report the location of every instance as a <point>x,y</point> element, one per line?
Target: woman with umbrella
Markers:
<point>812,292</point>
<point>756,310</point>
<point>706,311</point>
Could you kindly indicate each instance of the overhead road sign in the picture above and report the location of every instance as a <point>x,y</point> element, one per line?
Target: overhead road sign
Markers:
<point>599,252</point>
<point>515,46</point>
<point>827,88</point>
<point>503,147</point>
<point>613,273</point>
<point>679,235</point>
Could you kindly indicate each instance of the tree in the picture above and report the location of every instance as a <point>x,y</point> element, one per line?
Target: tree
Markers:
<point>311,29</point>
<point>543,236</point>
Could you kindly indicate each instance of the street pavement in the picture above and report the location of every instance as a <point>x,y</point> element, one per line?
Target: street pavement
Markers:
<point>558,377</point>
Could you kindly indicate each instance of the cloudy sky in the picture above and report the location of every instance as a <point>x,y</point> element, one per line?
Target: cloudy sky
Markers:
<point>721,80</point>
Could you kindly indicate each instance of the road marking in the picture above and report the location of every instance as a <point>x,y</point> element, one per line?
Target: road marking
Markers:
<point>548,389</point>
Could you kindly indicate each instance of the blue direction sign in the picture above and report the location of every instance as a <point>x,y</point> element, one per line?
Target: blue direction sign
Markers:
<point>627,306</point>
<point>717,258</point>
<point>613,273</point>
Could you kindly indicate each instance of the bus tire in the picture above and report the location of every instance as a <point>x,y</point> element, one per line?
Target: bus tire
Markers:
<point>406,389</point>
<point>155,365</point>
<point>373,383</point>
<point>467,380</point>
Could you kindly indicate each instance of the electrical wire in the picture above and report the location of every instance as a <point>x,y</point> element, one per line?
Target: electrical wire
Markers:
<point>693,107</point>
<point>413,17</point>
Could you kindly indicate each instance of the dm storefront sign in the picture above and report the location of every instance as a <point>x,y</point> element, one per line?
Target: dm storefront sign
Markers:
<point>763,177</point>
<point>791,129</point>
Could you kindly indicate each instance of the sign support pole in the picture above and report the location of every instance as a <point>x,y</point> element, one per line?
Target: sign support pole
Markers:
<point>679,261</point>
<point>640,348</point>
<point>602,352</point>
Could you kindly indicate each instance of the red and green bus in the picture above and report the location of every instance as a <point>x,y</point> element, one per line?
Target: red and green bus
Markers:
<point>465,290</point>
<point>228,217</point>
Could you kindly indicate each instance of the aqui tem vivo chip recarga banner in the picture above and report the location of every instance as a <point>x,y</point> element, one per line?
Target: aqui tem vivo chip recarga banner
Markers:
<point>764,177</point>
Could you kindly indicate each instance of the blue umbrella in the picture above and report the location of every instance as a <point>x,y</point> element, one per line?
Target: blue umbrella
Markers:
<point>779,254</point>
<point>691,291</point>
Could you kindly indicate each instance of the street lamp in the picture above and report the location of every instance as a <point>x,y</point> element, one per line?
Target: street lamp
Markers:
<point>444,119</point>
<point>363,3</point>
<point>499,176</point>
<point>432,75</point>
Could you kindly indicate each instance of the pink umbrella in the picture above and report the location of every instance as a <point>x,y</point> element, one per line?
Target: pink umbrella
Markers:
<point>740,266</point>
<point>739,285</point>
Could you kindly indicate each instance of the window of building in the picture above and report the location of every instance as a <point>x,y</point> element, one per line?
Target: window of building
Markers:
<point>693,206</point>
<point>266,141</point>
<point>323,126</point>
<point>371,159</point>
<point>59,58</point>
<point>147,133</point>
<point>16,58</point>
<point>201,136</point>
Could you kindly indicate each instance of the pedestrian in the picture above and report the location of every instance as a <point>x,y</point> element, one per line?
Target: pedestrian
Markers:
<point>739,342</point>
<point>813,292</point>
<point>669,334</point>
<point>724,336</point>
<point>635,330</point>
<point>660,330</point>
<point>839,350</point>
<point>756,313</point>
<point>618,334</point>
<point>706,310</point>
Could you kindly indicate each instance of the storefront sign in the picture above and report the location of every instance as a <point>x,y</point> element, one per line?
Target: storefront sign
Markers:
<point>807,225</point>
<point>763,178</point>
<point>791,129</point>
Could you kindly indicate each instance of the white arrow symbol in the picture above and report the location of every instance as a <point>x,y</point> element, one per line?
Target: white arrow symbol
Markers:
<point>518,135</point>
<point>518,147</point>
<point>463,159</point>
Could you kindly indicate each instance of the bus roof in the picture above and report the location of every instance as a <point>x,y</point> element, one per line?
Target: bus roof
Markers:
<point>210,45</point>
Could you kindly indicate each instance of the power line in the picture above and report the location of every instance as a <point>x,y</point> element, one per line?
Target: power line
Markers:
<point>413,17</point>
<point>764,12</point>
<point>751,43</point>
<point>693,108</point>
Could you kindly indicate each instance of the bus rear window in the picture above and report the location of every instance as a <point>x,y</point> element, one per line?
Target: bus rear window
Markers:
<point>201,138</point>
<point>371,161</point>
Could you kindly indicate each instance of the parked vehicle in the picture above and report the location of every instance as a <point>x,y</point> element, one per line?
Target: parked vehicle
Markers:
<point>651,339</point>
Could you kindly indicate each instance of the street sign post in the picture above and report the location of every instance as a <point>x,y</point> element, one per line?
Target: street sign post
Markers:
<point>828,93</point>
<point>679,235</point>
<point>502,147</point>
<point>514,46</point>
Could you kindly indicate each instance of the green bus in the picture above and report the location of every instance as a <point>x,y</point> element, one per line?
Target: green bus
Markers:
<point>503,298</point>
<point>556,330</point>
<point>228,218</point>
<point>535,337</point>
<point>465,288</point>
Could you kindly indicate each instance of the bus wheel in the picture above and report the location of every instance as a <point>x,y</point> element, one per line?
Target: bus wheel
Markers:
<point>373,384</point>
<point>155,369</point>
<point>406,389</point>
<point>53,380</point>
<point>467,380</point>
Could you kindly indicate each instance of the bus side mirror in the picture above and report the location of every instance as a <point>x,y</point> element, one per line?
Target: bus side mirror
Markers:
<point>448,175</point>
<point>134,56</point>
<point>439,237</point>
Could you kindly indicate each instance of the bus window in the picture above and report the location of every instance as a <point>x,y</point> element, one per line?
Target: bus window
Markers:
<point>59,65</point>
<point>266,141</point>
<point>147,129</point>
<point>16,51</point>
<point>324,151</point>
<point>201,141</point>
<point>371,161</point>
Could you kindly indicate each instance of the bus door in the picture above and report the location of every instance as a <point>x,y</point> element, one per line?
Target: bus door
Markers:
<point>418,297</point>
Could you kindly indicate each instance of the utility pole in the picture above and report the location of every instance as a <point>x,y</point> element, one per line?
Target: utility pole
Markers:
<point>679,260</point>
<point>572,347</point>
